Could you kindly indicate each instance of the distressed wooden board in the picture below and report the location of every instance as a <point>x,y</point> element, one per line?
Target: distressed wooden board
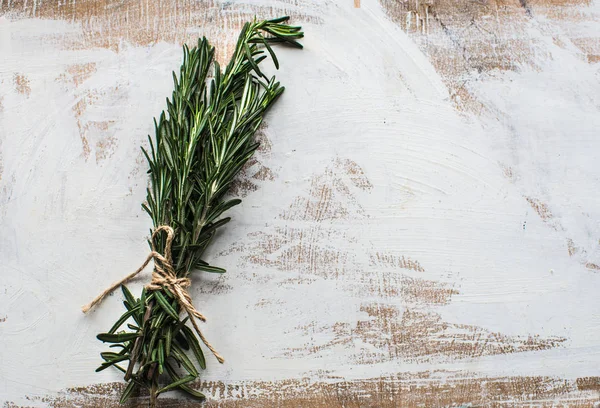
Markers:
<point>419,227</point>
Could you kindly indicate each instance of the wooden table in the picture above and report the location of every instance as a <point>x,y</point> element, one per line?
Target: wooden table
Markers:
<point>420,227</point>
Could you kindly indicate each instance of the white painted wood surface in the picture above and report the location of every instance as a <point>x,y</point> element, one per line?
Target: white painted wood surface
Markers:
<point>424,209</point>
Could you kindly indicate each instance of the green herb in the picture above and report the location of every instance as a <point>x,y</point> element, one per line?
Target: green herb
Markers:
<point>201,142</point>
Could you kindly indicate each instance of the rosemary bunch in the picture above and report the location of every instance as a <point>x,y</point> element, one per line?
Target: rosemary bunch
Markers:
<point>201,142</point>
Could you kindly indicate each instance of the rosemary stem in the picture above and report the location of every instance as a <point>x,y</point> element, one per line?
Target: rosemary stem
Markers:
<point>202,140</point>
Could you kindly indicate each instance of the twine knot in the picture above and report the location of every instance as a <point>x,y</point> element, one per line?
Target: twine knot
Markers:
<point>164,277</point>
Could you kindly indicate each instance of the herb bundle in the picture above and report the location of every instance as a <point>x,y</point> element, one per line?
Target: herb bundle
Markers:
<point>201,142</point>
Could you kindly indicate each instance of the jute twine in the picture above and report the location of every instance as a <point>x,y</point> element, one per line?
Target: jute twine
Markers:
<point>164,276</point>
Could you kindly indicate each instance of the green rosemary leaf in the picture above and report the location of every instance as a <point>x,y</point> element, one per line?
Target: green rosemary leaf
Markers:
<point>177,383</point>
<point>103,366</point>
<point>283,37</point>
<point>251,60</point>
<point>195,346</point>
<point>168,295</point>
<point>142,309</point>
<point>118,359</point>
<point>208,268</point>
<point>164,303</point>
<point>292,31</point>
<point>192,392</point>
<point>133,309</point>
<point>158,321</point>
<point>270,50</point>
<point>181,324</point>
<point>110,362</point>
<point>179,355</point>
<point>127,392</point>
<point>278,20</point>
<point>212,227</point>
<point>181,340</point>
<point>222,207</point>
<point>151,345</point>
<point>122,319</point>
<point>120,368</point>
<point>128,295</point>
<point>108,355</point>
<point>161,356</point>
<point>168,340</point>
<point>116,338</point>
<point>143,298</point>
<point>145,152</point>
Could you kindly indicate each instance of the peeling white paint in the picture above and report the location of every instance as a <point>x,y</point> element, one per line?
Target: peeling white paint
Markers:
<point>361,90</point>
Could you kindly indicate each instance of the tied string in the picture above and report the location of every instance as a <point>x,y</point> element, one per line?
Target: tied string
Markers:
<point>164,277</point>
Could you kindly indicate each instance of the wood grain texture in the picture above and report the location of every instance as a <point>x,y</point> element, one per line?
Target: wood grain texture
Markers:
<point>419,226</point>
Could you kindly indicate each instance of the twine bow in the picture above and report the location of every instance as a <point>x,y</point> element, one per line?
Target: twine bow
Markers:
<point>164,276</point>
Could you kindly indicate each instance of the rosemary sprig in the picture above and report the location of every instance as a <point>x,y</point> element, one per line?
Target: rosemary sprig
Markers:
<point>201,142</point>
